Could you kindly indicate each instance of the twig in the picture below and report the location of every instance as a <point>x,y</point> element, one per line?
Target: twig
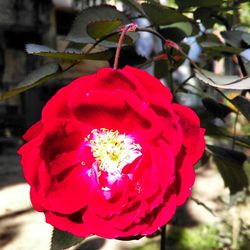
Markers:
<point>124,30</point>
<point>198,202</point>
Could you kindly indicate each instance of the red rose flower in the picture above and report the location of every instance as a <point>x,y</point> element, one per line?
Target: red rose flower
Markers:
<point>112,155</point>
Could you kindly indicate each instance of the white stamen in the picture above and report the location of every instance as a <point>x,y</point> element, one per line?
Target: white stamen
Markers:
<point>112,151</point>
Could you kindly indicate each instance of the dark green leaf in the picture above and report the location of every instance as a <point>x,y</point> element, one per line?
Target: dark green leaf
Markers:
<point>234,37</point>
<point>243,104</point>
<point>205,15</point>
<point>161,15</point>
<point>222,49</point>
<point>246,38</point>
<point>161,69</point>
<point>99,29</point>
<point>173,34</point>
<point>134,4</point>
<point>183,4</point>
<point>230,166</point>
<point>243,141</point>
<point>208,40</point>
<point>34,79</point>
<point>217,109</point>
<point>223,81</point>
<point>246,167</point>
<point>176,58</point>
<point>186,27</point>
<point>78,32</point>
<point>62,240</point>
<point>215,131</point>
<point>128,56</point>
<point>71,54</point>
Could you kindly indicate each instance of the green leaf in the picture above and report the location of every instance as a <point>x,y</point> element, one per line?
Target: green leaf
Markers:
<point>215,131</point>
<point>205,15</point>
<point>246,38</point>
<point>208,40</point>
<point>62,240</point>
<point>233,37</point>
<point>161,69</point>
<point>174,34</point>
<point>224,49</point>
<point>223,81</point>
<point>135,5</point>
<point>186,27</point>
<point>100,29</point>
<point>78,32</point>
<point>243,105</point>
<point>183,4</point>
<point>128,56</point>
<point>230,165</point>
<point>35,78</point>
<point>71,54</point>
<point>217,109</point>
<point>162,15</point>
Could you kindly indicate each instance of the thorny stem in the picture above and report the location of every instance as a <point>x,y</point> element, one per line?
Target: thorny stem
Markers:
<point>124,30</point>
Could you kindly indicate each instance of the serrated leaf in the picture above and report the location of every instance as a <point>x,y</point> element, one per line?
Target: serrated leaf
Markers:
<point>217,109</point>
<point>71,54</point>
<point>62,240</point>
<point>162,15</point>
<point>223,81</point>
<point>78,32</point>
<point>243,105</point>
<point>134,4</point>
<point>35,78</point>
<point>99,29</point>
<point>230,166</point>
<point>32,48</point>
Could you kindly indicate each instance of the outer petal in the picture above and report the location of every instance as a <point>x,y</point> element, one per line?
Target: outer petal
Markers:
<point>33,132</point>
<point>193,135</point>
<point>30,160</point>
<point>72,224</point>
<point>185,176</point>
<point>68,195</point>
<point>150,83</point>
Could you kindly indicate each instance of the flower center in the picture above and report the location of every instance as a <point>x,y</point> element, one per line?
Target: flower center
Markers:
<point>112,150</point>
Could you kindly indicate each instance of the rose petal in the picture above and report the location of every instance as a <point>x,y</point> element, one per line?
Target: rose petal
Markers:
<point>193,135</point>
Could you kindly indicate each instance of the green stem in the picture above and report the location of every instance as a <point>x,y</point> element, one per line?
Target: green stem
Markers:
<point>163,237</point>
